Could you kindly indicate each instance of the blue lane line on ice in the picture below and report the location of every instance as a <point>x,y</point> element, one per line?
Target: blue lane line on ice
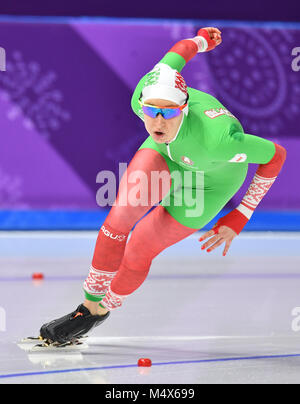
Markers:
<point>163,277</point>
<point>52,372</point>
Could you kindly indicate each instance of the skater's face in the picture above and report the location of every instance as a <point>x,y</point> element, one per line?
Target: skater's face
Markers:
<point>160,129</point>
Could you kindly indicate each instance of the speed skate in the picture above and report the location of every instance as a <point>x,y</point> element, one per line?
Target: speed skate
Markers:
<point>33,344</point>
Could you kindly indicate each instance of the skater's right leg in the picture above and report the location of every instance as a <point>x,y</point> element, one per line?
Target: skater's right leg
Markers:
<point>121,219</point>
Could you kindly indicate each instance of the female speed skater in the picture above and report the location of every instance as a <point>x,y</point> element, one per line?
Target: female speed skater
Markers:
<point>202,150</point>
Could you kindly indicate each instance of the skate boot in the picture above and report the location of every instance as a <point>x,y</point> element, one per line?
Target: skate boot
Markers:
<point>71,328</point>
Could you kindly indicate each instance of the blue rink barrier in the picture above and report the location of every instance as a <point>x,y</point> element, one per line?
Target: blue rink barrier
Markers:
<point>31,19</point>
<point>92,220</point>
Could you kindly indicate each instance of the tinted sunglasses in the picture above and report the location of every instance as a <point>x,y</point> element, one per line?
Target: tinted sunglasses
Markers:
<point>166,112</point>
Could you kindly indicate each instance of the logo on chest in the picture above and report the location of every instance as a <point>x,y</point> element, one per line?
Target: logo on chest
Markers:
<point>216,112</point>
<point>187,160</point>
<point>239,158</point>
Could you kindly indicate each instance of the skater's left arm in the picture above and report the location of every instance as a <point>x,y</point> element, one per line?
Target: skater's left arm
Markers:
<point>240,148</point>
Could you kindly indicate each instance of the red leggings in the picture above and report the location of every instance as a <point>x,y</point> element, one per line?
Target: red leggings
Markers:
<point>118,267</point>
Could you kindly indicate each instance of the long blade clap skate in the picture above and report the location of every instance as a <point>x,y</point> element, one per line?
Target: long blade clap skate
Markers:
<point>70,329</point>
<point>32,344</point>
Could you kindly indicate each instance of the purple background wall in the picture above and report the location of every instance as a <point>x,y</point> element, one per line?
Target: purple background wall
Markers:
<point>65,102</point>
<point>255,10</point>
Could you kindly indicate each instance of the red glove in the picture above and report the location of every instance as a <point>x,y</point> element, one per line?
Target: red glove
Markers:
<point>211,42</point>
<point>235,220</point>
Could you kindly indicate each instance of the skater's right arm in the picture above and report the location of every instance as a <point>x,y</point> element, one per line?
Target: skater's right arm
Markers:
<point>179,55</point>
<point>186,49</point>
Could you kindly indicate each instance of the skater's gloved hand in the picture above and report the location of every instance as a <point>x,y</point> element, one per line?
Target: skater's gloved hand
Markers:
<point>214,34</point>
<point>225,230</point>
<point>212,38</point>
<point>217,236</point>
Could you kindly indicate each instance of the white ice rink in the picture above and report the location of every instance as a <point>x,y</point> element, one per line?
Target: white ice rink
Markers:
<point>200,317</point>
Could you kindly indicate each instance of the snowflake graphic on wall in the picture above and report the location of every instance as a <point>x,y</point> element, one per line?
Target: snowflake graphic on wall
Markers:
<point>33,94</point>
<point>11,191</point>
<point>254,78</point>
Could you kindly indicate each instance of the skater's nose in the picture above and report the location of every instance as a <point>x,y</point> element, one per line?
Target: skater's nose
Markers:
<point>159,116</point>
<point>160,120</point>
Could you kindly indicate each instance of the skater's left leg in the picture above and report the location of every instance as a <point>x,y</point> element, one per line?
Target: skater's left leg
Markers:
<point>153,234</point>
<point>147,178</point>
